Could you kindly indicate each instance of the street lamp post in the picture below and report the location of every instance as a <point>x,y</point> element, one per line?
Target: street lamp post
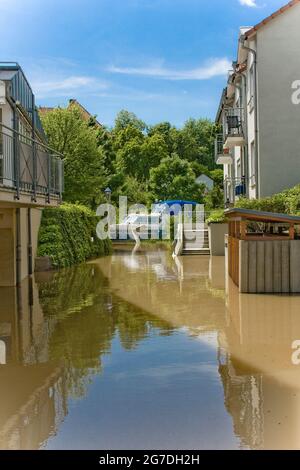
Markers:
<point>107,193</point>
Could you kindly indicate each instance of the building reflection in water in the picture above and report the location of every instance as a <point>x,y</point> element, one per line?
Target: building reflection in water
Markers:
<point>32,392</point>
<point>55,332</point>
<point>261,383</point>
<point>255,336</point>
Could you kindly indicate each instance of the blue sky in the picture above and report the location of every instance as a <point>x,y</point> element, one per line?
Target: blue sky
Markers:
<point>162,59</point>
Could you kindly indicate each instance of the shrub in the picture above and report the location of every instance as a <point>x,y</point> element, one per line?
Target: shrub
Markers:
<point>217,216</point>
<point>68,235</point>
<point>287,202</point>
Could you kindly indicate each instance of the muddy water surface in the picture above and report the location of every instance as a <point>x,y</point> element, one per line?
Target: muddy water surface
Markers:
<point>144,352</point>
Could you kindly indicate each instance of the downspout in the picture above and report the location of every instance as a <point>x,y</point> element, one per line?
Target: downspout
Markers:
<point>233,166</point>
<point>254,53</point>
<point>243,92</point>
<point>246,148</point>
<point>18,246</point>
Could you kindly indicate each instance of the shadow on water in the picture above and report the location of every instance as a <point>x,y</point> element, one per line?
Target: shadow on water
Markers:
<point>145,351</point>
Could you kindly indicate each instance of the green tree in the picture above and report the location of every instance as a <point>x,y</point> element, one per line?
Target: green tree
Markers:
<point>153,151</point>
<point>136,191</point>
<point>202,132</point>
<point>125,118</point>
<point>164,129</point>
<point>129,158</point>
<point>84,170</point>
<point>218,177</point>
<point>175,179</point>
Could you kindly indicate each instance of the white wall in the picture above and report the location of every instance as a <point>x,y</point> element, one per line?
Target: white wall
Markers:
<point>279,119</point>
<point>250,114</point>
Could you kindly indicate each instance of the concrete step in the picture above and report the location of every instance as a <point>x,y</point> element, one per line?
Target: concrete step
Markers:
<point>191,250</point>
<point>201,240</point>
<point>195,245</point>
<point>198,253</point>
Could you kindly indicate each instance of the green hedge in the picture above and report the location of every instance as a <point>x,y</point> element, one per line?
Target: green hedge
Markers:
<point>287,202</point>
<point>68,235</point>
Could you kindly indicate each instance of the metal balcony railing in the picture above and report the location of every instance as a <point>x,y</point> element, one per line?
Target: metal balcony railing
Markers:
<point>27,165</point>
<point>222,155</point>
<point>234,188</point>
<point>233,122</point>
<point>219,146</point>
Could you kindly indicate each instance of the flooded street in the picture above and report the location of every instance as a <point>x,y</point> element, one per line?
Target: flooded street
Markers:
<point>144,352</point>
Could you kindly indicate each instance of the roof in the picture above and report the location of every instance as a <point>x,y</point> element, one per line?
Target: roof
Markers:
<point>204,176</point>
<point>262,216</point>
<point>21,93</point>
<point>45,109</point>
<point>271,17</point>
<point>86,114</point>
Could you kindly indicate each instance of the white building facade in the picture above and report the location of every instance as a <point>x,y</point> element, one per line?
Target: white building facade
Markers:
<point>259,110</point>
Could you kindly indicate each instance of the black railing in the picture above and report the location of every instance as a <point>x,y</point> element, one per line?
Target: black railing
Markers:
<point>27,165</point>
<point>233,122</point>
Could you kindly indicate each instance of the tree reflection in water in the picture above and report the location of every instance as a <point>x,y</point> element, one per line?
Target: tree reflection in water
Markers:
<point>87,318</point>
<point>56,336</point>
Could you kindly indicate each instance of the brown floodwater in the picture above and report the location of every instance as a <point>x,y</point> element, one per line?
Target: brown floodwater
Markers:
<point>140,351</point>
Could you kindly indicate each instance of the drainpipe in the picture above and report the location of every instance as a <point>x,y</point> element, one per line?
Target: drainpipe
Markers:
<point>29,247</point>
<point>243,92</point>
<point>18,246</point>
<point>254,53</point>
<point>234,173</point>
<point>246,148</point>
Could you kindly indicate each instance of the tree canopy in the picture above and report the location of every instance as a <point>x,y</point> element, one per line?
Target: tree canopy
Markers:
<point>145,163</point>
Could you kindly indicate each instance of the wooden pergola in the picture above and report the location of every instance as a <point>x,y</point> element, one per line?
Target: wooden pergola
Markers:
<point>244,224</point>
<point>239,220</point>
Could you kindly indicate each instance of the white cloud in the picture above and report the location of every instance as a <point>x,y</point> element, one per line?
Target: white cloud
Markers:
<point>53,77</point>
<point>212,68</point>
<point>66,85</point>
<point>248,3</point>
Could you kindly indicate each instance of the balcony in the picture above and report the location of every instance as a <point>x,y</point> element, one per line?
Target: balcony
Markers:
<point>32,171</point>
<point>234,188</point>
<point>222,156</point>
<point>20,92</point>
<point>233,125</point>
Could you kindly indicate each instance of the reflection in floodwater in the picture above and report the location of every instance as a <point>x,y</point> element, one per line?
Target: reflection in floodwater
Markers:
<point>143,351</point>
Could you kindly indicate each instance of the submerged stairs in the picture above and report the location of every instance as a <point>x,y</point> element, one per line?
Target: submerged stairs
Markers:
<point>195,242</point>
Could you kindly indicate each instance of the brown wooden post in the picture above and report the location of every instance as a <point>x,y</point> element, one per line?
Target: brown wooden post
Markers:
<point>292,232</point>
<point>243,229</point>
